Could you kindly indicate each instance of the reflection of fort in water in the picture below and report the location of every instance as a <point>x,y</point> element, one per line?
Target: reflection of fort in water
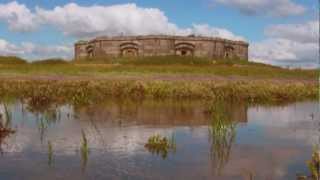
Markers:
<point>166,113</point>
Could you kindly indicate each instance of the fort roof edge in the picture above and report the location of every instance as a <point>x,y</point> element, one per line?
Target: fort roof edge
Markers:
<point>141,37</point>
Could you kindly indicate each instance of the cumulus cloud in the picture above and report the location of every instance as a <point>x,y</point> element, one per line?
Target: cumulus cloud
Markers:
<point>90,21</point>
<point>206,30</point>
<point>303,33</point>
<point>18,17</point>
<point>7,48</point>
<point>289,45</point>
<point>34,51</point>
<point>128,19</point>
<point>285,52</point>
<point>265,7</point>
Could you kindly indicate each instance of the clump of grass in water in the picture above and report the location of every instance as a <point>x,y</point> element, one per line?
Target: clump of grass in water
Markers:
<point>160,145</point>
<point>314,164</point>
<point>84,149</point>
<point>50,154</point>
<point>8,115</point>
<point>5,129</point>
<point>222,132</point>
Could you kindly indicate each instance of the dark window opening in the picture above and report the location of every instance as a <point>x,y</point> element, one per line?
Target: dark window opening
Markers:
<point>183,53</point>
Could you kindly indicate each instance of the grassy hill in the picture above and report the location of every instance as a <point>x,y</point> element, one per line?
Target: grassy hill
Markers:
<point>155,77</point>
<point>151,66</point>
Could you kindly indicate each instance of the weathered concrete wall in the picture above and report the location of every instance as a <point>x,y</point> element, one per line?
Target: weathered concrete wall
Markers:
<point>215,48</point>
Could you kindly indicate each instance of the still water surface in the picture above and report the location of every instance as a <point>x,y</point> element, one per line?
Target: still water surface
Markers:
<point>260,142</point>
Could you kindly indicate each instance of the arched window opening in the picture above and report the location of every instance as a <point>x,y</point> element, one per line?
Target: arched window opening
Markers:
<point>89,50</point>
<point>184,49</point>
<point>229,52</point>
<point>129,49</point>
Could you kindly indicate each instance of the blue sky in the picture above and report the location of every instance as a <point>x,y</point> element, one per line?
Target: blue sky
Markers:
<point>268,25</point>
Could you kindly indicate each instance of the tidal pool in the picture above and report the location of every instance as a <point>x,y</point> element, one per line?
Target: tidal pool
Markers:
<point>107,140</point>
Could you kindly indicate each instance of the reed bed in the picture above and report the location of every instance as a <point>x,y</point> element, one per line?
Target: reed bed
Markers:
<point>40,92</point>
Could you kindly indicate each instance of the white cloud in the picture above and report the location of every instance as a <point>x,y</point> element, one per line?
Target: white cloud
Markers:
<point>32,51</point>
<point>304,33</point>
<point>127,19</point>
<point>90,21</point>
<point>7,48</point>
<point>79,21</point>
<point>289,45</point>
<point>265,7</point>
<point>18,16</point>
<point>285,52</point>
<point>206,30</point>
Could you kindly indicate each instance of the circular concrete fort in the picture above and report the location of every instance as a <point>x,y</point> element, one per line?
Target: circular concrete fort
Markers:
<point>161,45</point>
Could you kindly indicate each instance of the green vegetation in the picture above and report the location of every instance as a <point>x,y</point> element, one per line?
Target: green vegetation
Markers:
<point>314,164</point>
<point>11,60</point>
<point>160,145</point>
<point>43,93</point>
<point>50,62</point>
<point>79,82</point>
<point>149,66</point>
<point>84,149</point>
<point>222,133</point>
<point>5,126</point>
<point>50,154</point>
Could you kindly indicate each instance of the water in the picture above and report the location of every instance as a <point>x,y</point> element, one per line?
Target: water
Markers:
<point>235,141</point>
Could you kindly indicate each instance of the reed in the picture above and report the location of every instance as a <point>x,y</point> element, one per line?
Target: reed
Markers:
<point>222,133</point>
<point>5,127</point>
<point>314,164</point>
<point>50,154</point>
<point>41,93</point>
<point>84,149</point>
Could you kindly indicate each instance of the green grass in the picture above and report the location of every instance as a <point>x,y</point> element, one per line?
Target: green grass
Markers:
<point>155,77</point>
<point>11,60</point>
<point>171,65</point>
<point>314,163</point>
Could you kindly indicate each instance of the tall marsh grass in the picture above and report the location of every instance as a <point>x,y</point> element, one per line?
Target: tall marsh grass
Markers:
<point>84,150</point>
<point>222,133</point>
<point>42,93</point>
